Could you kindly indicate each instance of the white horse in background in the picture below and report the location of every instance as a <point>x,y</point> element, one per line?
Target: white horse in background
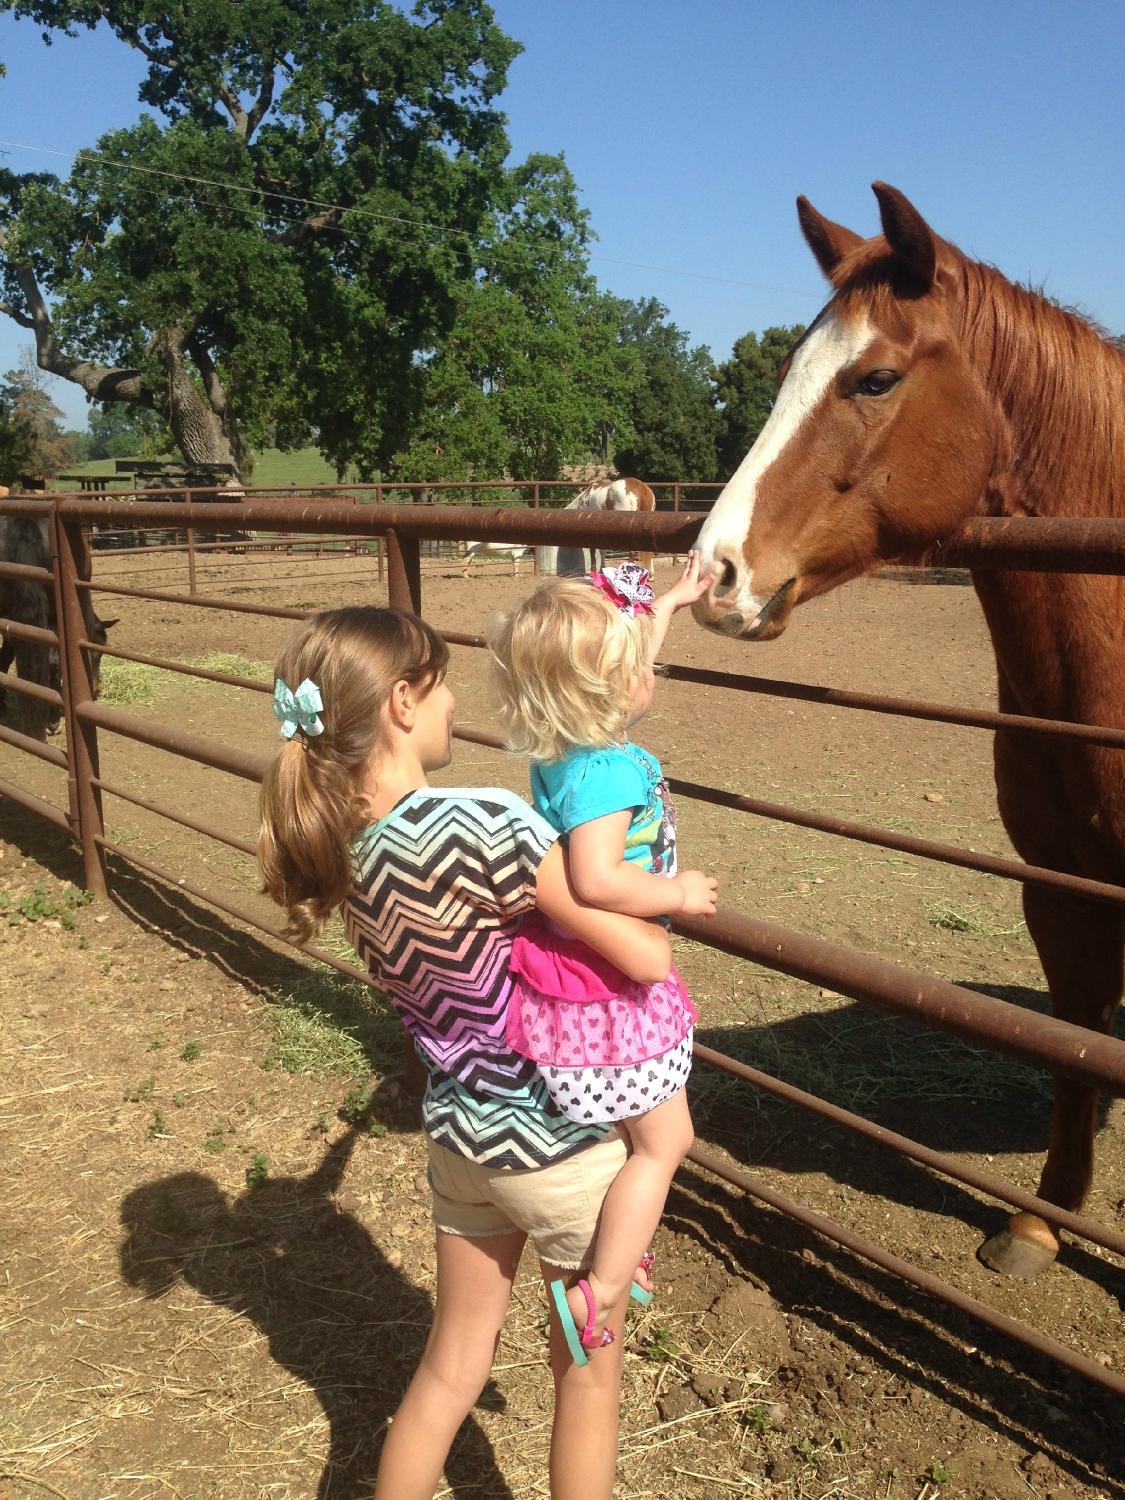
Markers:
<point>572,562</point>
<point>514,552</point>
<point>603,494</point>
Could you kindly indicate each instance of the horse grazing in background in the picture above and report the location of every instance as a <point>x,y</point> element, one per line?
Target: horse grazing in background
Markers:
<point>602,494</point>
<point>928,390</point>
<point>25,540</point>
<point>513,552</point>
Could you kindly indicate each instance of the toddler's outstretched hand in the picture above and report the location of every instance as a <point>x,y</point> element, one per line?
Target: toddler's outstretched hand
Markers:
<point>700,893</point>
<point>688,587</point>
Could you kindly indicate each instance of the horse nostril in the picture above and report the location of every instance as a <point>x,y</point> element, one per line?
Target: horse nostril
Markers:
<point>727,578</point>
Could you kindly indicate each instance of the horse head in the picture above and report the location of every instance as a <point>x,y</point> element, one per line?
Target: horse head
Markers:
<point>99,634</point>
<point>881,440</point>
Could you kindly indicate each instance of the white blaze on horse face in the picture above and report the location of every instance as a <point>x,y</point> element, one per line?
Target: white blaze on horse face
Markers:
<point>829,346</point>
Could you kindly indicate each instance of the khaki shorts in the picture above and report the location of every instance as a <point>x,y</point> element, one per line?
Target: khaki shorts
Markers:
<point>557,1207</point>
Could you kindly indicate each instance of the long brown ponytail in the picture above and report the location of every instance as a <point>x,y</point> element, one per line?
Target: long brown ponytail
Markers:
<point>310,806</point>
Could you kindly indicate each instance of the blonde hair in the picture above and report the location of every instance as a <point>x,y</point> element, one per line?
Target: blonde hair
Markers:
<point>311,804</point>
<point>563,663</point>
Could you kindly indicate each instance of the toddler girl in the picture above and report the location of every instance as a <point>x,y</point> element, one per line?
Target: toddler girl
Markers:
<point>573,668</point>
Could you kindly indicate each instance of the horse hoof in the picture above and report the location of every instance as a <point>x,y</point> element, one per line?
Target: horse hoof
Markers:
<point>1025,1248</point>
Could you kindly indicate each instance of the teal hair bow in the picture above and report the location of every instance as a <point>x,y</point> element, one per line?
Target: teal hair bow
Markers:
<point>298,710</point>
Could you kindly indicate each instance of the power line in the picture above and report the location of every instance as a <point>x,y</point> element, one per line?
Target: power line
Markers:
<point>370,213</point>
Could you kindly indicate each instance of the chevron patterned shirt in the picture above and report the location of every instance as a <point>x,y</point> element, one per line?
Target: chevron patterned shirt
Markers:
<point>439,887</point>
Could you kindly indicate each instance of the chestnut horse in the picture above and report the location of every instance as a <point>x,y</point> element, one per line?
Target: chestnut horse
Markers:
<point>928,390</point>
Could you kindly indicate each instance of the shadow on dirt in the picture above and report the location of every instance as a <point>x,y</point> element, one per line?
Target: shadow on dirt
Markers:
<point>931,1087</point>
<point>307,1274</point>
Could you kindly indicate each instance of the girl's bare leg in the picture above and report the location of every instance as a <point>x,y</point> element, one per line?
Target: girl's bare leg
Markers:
<point>631,1212</point>
<point>587,1408</point>
<point>474,1287</point>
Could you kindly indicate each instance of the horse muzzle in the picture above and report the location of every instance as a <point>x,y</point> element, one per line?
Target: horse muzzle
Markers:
<point>744,616</point>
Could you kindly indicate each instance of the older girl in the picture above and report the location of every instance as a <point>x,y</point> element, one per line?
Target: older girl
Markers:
<point>434,882</point>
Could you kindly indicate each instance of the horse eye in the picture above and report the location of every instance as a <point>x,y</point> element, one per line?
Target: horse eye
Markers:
<point>878,383</point>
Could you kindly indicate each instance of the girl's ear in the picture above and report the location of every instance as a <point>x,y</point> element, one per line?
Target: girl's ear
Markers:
<point>401,705</point>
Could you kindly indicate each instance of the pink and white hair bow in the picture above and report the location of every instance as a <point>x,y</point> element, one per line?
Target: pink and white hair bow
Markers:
<point>627,586</point>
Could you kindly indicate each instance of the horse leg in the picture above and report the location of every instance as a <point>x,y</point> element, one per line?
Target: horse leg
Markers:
<point>33,665</point>
<point>1081,946</point>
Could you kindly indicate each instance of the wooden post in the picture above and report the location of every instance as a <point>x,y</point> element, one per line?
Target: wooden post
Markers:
<point>191,560</point>
<point>535,502</point>
<point>71,564</point>
<point>380,545</point>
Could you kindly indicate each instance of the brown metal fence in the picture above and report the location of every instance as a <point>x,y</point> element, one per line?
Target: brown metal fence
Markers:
<point>398,534</point>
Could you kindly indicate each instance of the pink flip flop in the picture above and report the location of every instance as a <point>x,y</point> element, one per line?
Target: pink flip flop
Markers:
<point>577,1342</point>
<point>636,1291</point>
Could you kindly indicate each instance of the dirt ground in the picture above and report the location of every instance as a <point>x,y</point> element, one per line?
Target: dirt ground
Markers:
<point>214,1242</point>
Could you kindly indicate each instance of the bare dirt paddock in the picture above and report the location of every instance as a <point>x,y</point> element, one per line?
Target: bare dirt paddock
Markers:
<point>215,1260</point>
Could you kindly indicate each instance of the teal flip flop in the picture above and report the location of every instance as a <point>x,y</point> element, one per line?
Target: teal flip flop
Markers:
<point>568,1325</point>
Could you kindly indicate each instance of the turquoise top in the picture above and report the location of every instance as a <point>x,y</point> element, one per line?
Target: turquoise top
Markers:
<point>593,783</point>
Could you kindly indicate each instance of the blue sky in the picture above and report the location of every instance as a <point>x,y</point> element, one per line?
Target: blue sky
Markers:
<point>691,128</point>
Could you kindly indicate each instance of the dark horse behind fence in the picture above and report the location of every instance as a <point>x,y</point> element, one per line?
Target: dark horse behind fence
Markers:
<point>928,390</point>
<point>24,540</point>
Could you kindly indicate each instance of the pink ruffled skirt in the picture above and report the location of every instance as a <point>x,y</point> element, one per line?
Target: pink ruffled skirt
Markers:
<point>570,1008</point>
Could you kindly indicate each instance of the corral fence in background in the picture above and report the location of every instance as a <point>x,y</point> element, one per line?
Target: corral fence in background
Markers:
<point>398,534</point>
<point>673,495</point>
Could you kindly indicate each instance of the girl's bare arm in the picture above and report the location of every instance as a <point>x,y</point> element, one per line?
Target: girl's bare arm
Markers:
<point>603,876</point>
<point>640,949</point>
<point>686,590</point>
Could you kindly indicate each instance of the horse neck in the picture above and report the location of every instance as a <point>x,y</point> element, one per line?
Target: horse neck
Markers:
<point>1061,388</point>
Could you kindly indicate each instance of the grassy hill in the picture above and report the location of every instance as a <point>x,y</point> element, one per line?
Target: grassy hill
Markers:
<point>302,468</point>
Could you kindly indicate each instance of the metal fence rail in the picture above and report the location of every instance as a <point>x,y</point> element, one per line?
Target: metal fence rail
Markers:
<point>1030,544</point>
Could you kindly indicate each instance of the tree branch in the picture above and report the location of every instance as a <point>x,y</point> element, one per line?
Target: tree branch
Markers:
<point>233,106</point>
<point>247,121</point>
<point>317,224</point>
<point>265,98</point>
<point>102,382</point>
<point>212,385</point>
<point>132,36</point>
<point>16,316</point>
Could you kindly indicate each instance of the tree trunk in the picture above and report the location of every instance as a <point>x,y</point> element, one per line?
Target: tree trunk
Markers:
<point>203,435</point>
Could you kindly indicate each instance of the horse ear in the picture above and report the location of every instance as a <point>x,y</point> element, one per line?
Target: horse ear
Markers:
<point>828,242</point>
<point>907,233</point>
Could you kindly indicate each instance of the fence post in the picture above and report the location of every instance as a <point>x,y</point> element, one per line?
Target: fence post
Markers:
<point>72,562</point>
<point>535,502</point>
<point>404,573</point>
<point>380,545</point>
<point>191,560</point>
<point>404,591</point>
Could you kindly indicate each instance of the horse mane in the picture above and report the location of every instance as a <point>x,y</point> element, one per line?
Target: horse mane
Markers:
<point>1059,378</point>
